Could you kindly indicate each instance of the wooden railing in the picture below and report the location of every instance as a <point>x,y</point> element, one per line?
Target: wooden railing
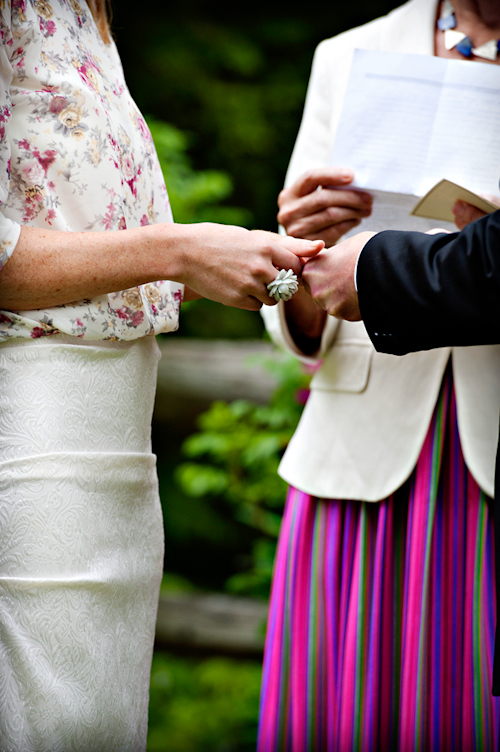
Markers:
<point>211,623</point>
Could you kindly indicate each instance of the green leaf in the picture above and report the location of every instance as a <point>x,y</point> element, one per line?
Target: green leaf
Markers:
<point>193,193</point>
<point>263,446</point>
<point>200,480</point>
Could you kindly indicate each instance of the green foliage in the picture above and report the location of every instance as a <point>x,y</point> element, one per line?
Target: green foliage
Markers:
<point>203,706</point>
<point>233,75</point>
<point>235,457</point>
<point>204,544</point>
<point>205,319</point>
<point>256,579</point>
<point>194,195</point>
<point>175,583</point>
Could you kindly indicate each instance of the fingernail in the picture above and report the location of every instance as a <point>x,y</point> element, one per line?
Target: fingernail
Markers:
<point>347,175</point>
<point>367,198</point>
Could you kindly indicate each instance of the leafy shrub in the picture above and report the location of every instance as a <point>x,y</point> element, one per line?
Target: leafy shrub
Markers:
<point>208,705</point>
<point>235,457</point>
<point>194,195</point>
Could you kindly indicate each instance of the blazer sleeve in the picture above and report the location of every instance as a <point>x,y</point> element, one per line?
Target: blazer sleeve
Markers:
<point>313,145</point>
<point>418,291</point>
<point>312,149</point>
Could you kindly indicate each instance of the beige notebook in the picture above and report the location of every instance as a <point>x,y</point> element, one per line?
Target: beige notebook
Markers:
<point>437,203</point>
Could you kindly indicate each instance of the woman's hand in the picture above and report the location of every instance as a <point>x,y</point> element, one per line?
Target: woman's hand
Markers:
<point>318,207</point>
<point>466,213</point>
<point>236,265</point>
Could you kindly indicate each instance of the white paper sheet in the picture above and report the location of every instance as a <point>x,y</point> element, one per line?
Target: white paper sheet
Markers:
<point>409,121</point>
<point>392,211</point>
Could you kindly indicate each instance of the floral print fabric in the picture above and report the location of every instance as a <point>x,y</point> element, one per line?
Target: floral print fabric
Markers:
<point>75,154</point>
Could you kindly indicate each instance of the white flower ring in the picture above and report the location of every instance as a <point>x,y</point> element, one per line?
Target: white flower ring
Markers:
<point>284,286</point>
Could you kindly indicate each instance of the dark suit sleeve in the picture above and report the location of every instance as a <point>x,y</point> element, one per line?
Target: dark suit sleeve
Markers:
<point>418,291</point>
<point>421,291</point>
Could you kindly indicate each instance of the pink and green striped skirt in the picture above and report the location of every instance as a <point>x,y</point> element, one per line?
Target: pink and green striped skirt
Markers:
<point>381,628</point>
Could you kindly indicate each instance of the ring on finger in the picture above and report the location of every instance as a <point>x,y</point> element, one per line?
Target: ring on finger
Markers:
<point>284,286</point>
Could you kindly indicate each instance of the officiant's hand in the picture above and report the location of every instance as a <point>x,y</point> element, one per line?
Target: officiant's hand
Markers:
<point>320,206</point>
<point>466,213</point>
<point>329,277</point>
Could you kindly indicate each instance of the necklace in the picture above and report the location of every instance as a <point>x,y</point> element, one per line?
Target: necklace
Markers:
<point>461,42</point>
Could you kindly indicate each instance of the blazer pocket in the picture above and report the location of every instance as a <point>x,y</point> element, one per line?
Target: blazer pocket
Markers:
<point>345,369</point>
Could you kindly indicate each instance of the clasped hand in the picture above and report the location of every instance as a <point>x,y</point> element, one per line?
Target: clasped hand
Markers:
<point>321,205</point>
<point>330,277</point>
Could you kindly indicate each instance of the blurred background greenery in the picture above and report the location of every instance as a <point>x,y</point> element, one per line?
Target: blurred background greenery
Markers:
<point>222,86</point>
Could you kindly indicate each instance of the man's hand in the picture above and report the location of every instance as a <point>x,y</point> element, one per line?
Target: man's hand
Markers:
<point>465,213</point>
<point>320,206</point>
<point>330,277</point>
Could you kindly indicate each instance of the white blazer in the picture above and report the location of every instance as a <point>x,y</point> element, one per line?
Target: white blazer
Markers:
<point>366,419</point>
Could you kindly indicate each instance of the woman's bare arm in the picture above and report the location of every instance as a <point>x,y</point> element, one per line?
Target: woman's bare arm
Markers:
<point>228,264</point>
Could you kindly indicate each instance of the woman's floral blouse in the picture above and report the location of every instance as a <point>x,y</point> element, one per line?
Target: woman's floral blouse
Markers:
<point>75,154</point>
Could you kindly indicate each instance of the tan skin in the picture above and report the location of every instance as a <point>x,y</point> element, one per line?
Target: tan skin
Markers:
<point>310,210</point>
<point>328,214</point>
<point>227,264</point>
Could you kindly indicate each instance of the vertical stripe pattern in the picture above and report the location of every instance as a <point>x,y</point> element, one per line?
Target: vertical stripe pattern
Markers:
<point>381,625</point>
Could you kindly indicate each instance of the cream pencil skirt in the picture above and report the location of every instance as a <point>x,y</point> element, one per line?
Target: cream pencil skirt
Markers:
<point>81,544</point>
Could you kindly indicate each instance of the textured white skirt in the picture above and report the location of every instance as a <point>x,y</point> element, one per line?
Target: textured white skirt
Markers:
<point>81,544</point>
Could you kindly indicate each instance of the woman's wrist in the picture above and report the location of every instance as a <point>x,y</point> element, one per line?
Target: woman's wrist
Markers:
<point>178,251</point>
<point>163,250</point>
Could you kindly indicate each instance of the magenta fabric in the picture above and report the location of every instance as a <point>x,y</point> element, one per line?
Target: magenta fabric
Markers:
<point>381,628</point>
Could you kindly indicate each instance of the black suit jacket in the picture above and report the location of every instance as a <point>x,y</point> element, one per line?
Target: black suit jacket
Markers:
<point>421,291</point>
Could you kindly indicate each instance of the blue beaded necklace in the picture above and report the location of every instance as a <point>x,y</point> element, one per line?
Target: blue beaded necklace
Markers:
<point>461,42</point>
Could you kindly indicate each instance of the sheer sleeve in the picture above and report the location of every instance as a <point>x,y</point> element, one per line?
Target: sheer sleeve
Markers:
<point>9,230</point>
